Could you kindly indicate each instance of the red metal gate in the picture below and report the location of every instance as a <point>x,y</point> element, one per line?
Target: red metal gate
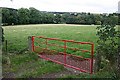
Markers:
<point>70,53</point>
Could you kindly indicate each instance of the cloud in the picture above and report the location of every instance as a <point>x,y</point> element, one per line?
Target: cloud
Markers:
<point>94,6</point>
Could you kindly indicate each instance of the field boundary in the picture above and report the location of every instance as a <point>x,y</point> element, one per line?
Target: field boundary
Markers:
<point>62,57</point>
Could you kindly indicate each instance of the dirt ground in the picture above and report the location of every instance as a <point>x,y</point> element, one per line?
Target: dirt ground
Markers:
<point>59,74</point>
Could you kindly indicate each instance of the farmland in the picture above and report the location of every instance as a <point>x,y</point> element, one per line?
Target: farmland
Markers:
<point>28,64</point>
<point>17,35</point>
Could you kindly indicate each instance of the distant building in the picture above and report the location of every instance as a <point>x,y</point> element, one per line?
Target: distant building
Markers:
<point>119,7</point>
<point>106,14</point>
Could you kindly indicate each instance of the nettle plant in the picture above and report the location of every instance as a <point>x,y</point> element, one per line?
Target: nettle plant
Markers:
<point>108,40</point>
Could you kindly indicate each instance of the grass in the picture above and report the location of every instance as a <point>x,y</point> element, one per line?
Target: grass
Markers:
<point>17,35</point>
<point>28,64</point>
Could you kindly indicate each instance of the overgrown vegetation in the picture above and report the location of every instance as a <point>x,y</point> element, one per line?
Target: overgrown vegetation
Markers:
<point>107,49</point>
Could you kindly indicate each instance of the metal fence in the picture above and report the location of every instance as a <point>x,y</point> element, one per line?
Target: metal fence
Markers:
<point>70,53</point>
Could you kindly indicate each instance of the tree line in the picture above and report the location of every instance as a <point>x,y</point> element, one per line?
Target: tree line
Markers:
<point>33,16</point>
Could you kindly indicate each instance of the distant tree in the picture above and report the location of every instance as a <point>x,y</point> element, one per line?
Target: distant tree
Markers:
<point>35,16</point>
<point>51,18</point>
<point>78,18</point>
<point>65,17</point>
<point>9,16</point>
<point>83,19</point>
<point>97,19</point>
<point>13,16</point>
<point>45,18</point>
<point>57,18</point>
<point>23,16</point>
<point>5,16</point>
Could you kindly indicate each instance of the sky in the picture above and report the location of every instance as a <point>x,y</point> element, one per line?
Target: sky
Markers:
<point>92,6</point>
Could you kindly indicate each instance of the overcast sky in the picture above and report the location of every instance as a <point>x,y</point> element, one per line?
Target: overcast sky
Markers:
<point>93,6</point>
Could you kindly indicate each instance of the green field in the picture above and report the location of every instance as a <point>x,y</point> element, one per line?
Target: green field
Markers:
<point>17,35</point>
<point>28,64</point>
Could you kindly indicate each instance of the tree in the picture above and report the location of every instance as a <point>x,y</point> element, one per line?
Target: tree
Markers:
<point>9,16</point>
<point>50,18</point>
<point>35,16</point>
<point>65,17</point>
<point>90,19</point>
<point>83,19</point>
<point>23,16</point>
<point>5,16</point>
<point>13,16</point>
<point>97,19</point>
<point>57,18</point>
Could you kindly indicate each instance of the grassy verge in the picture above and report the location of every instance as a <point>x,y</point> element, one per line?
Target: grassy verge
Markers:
<point>29,65</point>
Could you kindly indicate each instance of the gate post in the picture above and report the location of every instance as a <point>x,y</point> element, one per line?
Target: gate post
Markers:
<point>30,43</point>
<point>92,52</point>
<point>65,52</point>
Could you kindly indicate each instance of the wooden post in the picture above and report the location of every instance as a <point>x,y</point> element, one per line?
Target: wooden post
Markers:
<point>30,43</point>
<point>1,34</point>
<point>97,62</point>
<point>6,46</point>
<point>0,52</point>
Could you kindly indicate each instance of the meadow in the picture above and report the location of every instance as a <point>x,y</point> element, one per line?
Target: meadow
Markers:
<point>17,36</point>
<point>28,64</point>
